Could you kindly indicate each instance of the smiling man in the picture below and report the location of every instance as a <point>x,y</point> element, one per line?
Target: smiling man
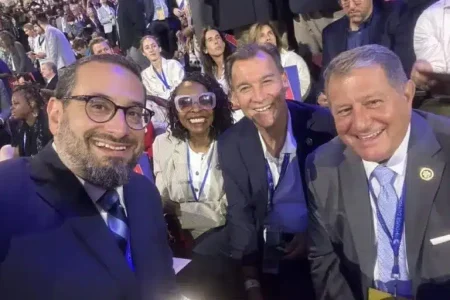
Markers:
<point>379,192</point>
<point>262,159</point>
<point>76,216</point>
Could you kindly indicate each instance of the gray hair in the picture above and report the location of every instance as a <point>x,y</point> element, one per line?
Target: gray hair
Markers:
<point>368,56</point>
<point>52,66</point>
<point>249,51</point>
<point>67,76</point>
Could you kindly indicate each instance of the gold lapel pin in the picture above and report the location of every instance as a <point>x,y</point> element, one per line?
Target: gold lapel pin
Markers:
<point>426,174</point>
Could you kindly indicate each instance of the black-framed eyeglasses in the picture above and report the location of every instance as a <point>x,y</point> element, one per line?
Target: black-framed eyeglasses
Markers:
<point>101,110</point>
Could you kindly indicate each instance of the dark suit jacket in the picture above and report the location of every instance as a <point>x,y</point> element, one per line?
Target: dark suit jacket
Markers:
<point>51,85</point>
<point>242,161</point>
<point>130,19</point>
<point>304,7</point>
<point>341,231</point>
<point>55,245</point>
<point>150,9</point>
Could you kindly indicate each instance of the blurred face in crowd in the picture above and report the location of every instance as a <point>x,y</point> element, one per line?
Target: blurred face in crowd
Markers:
<point>357,10</point>
<point>266,36</point>
<point>20,109</point>
<point>90,12</point>
<point>60,12</point>
<point>76,10</point>
<point>196,120</point>
<point>214,45</point>
<point>259,88</point>
<point>66,8</point>
<point>104,2</point>
<point>371,116</point>
<point>38,29</point>
<point>151,49</point>
<point>104,154</point>
<point>29,32</point>
<point>102,48</point>
<point>47,71</point>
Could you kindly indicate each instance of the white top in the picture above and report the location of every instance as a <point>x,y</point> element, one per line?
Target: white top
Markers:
<point>432,36</point>
<point>58,48</point>
<point>32,42</point>
<point>289,147</point>
<point>290,58</point>
<point>199,166</point>
<point>107,17</point>
<point>396,163</point>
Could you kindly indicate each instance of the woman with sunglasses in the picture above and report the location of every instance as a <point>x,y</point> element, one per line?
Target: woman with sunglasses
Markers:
<point>160,79</point>
<point>190,181</point>
<point>185,159</point>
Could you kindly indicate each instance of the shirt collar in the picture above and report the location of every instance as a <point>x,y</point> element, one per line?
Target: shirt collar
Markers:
<point>290,145</point>
<point>397,162</point>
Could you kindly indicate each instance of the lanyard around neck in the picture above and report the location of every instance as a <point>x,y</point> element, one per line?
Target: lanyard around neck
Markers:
<point>270,181</point>
<point>202,186</point>
<point>162,78</point>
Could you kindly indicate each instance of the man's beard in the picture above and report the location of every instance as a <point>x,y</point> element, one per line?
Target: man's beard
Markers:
<point>106,172</point>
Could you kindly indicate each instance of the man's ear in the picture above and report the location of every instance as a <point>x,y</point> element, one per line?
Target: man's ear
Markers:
<point>285,80</point>
<point>55,113</point>
<point>409,92</point>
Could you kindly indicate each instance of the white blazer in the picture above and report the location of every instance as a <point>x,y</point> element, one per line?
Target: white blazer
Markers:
<point>107,17</point>
<point>57,48</point>
<point>174,74</point>
<point>171,173</point>
<point>290,58</point>
<point>432,36</point>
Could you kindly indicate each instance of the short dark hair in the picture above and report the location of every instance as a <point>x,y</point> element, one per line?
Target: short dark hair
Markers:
<point>67,76</point>
<point>42,18</point>
<point>223,118</point>
<point>249,51</point>
<point>95,41</point>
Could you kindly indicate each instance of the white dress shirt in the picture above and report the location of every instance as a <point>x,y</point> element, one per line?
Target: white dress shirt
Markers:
<point>289,147</point>
<point>199,166</point>
<point>432,36</point>
<point>396,163</point>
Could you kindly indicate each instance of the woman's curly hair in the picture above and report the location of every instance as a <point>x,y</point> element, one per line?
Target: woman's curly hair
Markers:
<point>32,94</point>
<point>223,118</point>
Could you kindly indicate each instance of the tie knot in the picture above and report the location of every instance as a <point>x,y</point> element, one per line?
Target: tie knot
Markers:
<point>109,200</point>
<point>384,175</point>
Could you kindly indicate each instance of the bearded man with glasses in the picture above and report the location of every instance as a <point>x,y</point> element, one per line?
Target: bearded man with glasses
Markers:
<point>76,220</point>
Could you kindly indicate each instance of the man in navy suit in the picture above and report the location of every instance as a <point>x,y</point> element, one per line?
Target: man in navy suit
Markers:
<point>262,159</point>
<point>76,221</point>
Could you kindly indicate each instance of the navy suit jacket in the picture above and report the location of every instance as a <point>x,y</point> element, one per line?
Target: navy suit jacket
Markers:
<point>55,245</point>
<point>245,179</point>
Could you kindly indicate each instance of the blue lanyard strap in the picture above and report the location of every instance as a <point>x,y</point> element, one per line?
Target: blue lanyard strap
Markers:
<point>270,181</point>
<point>202,186</point>
<point>162,78</point>
<point>396,237</point>
<point>181,6</point>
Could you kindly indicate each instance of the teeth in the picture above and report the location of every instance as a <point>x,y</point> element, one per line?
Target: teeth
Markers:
<point>104,145</point>
<point>262,108</point>
<point>372,135</point>
<point>197,120</point>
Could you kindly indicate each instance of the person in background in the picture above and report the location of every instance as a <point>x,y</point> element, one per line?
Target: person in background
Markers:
<point>29,31</point>
<point>190,181</point>
<point>61,22</point>
<point>80,46</point>
<point>94,24</point>
<point>100,46</point>
<point>13,53</point>
<point>58,48</point>
<point>5,111</point>
<point>265,33</point>
<point>74,29</point>
<point>214,52</point>
<point>160,79</point>
<point>39,44</point>
<point>107,17</point>
<point>50,74</point>
<point>30,133</point>
<point>386,173</point>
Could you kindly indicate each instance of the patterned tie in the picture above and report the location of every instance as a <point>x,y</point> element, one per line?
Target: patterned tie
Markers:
<point>387,205</point>
<point>116,218</point>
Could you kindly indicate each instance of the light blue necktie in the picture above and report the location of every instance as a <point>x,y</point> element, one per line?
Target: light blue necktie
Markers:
<point>117,221</point>
<point>387,205</point>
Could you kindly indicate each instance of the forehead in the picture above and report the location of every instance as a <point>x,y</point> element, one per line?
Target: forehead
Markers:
<point>149,41</point>
<point>101,45</point>
<point>191,88</point>
<point>111,80</point>
<point>265,29</point>
<point>253,68</point>
<point>211,33</point>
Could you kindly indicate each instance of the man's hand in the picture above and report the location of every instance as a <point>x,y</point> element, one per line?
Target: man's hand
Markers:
<point>297,247</point>
<point>41,55</point>
<point>419,77</point>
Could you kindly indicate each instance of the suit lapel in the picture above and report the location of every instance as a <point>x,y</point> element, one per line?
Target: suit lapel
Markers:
<point>216,190</point>
<point>60,188</point>
<point>355,195</point>
<point>423,155</point>
<point>180,169</point>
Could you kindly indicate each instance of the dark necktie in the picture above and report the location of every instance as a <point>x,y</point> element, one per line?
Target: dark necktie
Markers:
<point>116,218</point>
